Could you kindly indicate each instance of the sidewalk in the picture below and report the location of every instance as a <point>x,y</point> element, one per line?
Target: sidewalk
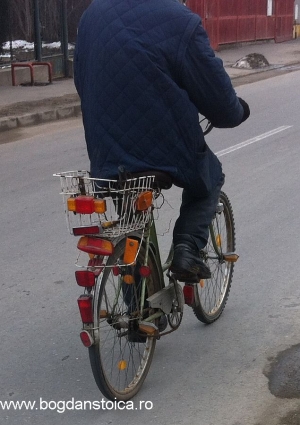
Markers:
<point>26,105</point>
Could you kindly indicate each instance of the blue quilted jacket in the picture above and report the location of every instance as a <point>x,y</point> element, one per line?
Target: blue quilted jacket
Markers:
<point>143,69</point>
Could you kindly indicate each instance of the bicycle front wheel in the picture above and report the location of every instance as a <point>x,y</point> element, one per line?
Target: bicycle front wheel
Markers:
<point>121,357</point>
<point>213,293</point>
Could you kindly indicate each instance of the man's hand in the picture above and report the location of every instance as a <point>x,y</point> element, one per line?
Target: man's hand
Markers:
<point>246,109</point>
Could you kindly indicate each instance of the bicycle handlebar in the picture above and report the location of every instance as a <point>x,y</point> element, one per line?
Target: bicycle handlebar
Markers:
<point>206,127</point>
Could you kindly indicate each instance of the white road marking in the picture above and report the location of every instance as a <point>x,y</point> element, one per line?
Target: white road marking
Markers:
<point>254,140</point>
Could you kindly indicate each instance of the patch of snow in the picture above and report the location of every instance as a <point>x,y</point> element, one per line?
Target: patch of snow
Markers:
<point>27,46</point>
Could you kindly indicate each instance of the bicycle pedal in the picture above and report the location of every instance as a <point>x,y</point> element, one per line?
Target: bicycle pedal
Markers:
<point>231,257</point>
<point>148,328</point>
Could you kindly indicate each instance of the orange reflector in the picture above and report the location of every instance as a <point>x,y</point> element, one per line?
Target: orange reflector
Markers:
<point>108,224</point>
<point>231,257</point>
<point>202,283</point>
<point>100,206</point>
<point>86,205</point>
<point>131,249</point>
<point>71,204</point>
<point>219,240</point>
<point>129,279</point>
<point>144,201</point>
<point>103,314</point>
<point>95,246</point>
<point>122,365</point>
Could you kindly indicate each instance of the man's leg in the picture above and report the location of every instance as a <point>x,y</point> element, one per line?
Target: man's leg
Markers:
<point>191,233</point>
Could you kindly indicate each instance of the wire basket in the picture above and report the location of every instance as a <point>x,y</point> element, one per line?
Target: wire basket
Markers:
<point>121,215</point>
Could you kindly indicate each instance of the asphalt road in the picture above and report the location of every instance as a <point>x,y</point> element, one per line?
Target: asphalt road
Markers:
<point>242,370</point>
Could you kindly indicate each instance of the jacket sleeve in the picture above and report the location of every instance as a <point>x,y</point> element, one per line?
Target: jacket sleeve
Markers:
<point>207,83</point>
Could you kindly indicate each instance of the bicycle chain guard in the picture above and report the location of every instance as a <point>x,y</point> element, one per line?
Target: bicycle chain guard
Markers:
<point>164,299</point>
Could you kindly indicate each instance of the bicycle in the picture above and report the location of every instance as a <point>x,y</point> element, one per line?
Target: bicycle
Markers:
<point>126,305</point>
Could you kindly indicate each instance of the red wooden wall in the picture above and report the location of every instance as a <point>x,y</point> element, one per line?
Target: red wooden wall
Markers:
<point>234,21</point>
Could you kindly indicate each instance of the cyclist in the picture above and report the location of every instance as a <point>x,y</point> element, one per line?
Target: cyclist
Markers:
<point>143,70</point>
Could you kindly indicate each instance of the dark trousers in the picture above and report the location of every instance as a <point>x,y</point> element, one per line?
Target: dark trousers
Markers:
<point>195,217</point>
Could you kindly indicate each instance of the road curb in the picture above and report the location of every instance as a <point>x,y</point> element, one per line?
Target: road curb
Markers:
<point>74,109</point>
<point>26,120</point>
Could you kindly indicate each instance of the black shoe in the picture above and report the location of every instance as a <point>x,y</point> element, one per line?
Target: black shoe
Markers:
<point>162,323</point>
<point>187,265</point>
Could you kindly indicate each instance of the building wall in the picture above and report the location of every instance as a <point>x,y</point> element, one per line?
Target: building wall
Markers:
<point>235,21</point>
<point>297,3</point>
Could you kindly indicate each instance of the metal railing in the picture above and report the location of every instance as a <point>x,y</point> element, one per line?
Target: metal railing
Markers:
<point>38,22</point>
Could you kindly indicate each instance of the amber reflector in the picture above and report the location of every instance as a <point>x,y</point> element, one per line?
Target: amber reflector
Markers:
<point>100,206</point>
<point>122,365</point>
<point>95,246</point>
<point>129,279</point>
<point>144,201</point>
<point>131,249</point>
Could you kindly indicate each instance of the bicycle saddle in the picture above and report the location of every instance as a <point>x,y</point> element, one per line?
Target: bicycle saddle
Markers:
<point>162,180</point>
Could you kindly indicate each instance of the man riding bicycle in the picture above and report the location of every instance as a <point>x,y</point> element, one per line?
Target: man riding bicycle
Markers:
<point>144,69</point>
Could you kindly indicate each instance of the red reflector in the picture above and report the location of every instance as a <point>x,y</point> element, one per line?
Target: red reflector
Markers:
<point>95,246</point>
<point>145,271</point>
<point>86,230</point>
<point>85,278</point>
<point>97,265</point>
<point>84,204</point>
<point>86,339</point>
<point>85,304</point>
<point>188,292</point>
<point>116,270</point>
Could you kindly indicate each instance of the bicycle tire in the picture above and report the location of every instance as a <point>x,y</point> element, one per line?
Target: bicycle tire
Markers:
<point>119,365</point>
<point>213,293</point>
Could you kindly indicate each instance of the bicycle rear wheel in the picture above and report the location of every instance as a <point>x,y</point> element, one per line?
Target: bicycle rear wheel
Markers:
<point>121,357</point>
<point>213,293</point>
